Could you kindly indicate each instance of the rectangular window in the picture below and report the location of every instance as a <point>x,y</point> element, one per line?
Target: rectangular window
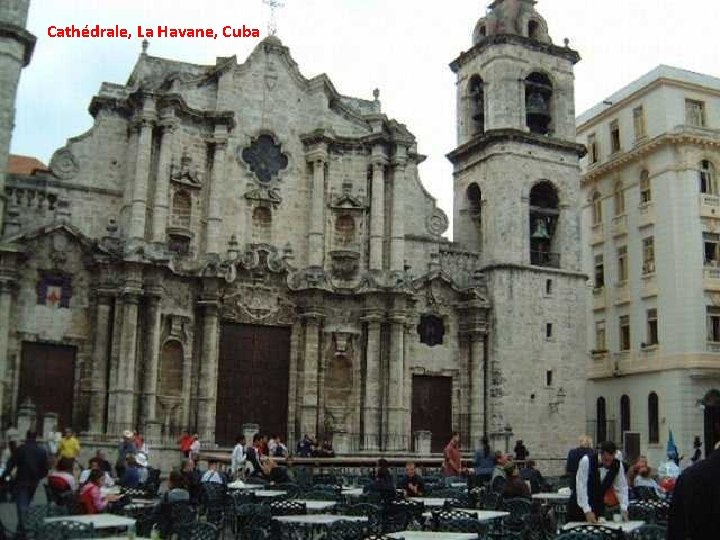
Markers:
<point>645,193</point>
<point>694,113</point>
<point>711,242</point>
<point>548,330</point>
<point>625,333</point>
<point>648,266</point>
<point>652,327</point>
<point>592,148</point>
<point>622,264</point>
<point>548,377</point>
<point>639,122</point>
<point>707,178</point>
<point>713,324</point>
<point>619,199</point>
<point>597,209</point>
<point>614,136</point>
<point>600,344</point>
<point>599,271</point>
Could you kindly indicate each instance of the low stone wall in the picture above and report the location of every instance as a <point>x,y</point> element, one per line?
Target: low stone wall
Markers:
<point>164,458</point>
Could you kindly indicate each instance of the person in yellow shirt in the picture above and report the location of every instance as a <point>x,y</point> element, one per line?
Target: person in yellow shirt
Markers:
<point>69,447</point>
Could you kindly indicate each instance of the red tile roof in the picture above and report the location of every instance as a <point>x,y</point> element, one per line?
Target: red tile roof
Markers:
<point>25,165</point>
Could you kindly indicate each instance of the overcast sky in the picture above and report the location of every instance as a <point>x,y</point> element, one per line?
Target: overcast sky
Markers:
<point>402,47</point>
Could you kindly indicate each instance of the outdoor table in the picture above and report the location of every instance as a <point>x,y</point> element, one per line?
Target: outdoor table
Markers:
<point>625,526</point>
<point>316,506</point>
<point>431,535</point>
<point>270,493</point>
<point>98,521</point>
<point>458,485</point>
<point>551,497</point>
<point>239,484</point>
<point>352,492</point>
<point>105,491</point>
<point>429,501</point>
<point>481,515</point>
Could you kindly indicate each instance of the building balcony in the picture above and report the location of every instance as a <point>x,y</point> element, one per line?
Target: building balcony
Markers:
<point>598,298</point>
<point>597,234</point>
<point>649,283</point>
<point>545,259</point>
<point>622,293</point>
<point>620,225</point>
<point>711,278</point>
<point>709,205</point>
<point>712,346</point>
<point>646,214</point>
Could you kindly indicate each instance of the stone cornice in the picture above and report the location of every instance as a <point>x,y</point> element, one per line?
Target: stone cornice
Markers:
<point>537,269</point>
<point>18,33</point>
<point>512,39</point>
<point>499,136</point>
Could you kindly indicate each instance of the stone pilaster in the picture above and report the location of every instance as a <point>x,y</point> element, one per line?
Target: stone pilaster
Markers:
<point>377,209</point>
<point>7,287</point>
<point>138,204</point>
<point>311,356</point>
<point>397,436</point>
<point>101,349</point>
<point>477,387</point>
<point>125,389</point>
<point>161,202</point>
<point>397,238</point>
<point>152,354</point>
<point>214,216</point>
<point>207,390</point>
<point>371,400</point>
<point>316,238</point>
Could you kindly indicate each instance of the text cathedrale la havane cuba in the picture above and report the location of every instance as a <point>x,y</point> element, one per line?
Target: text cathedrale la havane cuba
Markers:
<point>160,31</point>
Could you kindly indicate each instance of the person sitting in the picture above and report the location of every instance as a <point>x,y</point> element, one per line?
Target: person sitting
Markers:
<point>178,489</point>
<point>131,474</point>
<point>278,449</point>
<point>382,482</point>
<point>499,469</point>
<point>644,479</point>
<point>412,483</point>
<point>277,474</point>
<point>61,478</point>
<point>142,465</point>
<point>253,463</point>
<point>515,486</point>
<point>95,465</point>
<point>125,448</point>
<point>212,475</point>
<point>192,479</point>
<point>306,446</point>
<point>531,474</point>
<point>640,463</point>
<point>91,498</point>
<point>104,463</point>
<point>326,450</point>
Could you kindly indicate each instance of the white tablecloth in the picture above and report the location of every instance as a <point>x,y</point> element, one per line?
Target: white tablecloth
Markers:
<point>429,501</point>
<point>99,521</point>
<point>318,519</point>
<point>352,492</point>
<point>430,535</point>
<point>551,497</point>
<point>626,526</point>
<point>270,493</point>
<point>239,484</point>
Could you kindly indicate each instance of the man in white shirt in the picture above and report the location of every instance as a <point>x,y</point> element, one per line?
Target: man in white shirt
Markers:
<point>95,464</point>
<point>237,461</point>
<point>599,485</point>
<point>212,474</point>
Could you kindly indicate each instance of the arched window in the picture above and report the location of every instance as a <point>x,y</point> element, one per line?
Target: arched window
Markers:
<point>181,209</point>
<point>624,415</point>
<point>533,28</point>
<point>619,199</point>
<point>262,224</point>
<point>477,103</point>
<point>597,216</point>
<point>170,372</point>
<point>707,178</point>
<point>653,419</point>
<point>645,193</point>
<point>544,214</point>
<point>601,415</point>
<point>538,103</point>
<point>345,229</point>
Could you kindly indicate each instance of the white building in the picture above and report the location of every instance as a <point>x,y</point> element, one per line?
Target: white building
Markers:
<point>652,249</point>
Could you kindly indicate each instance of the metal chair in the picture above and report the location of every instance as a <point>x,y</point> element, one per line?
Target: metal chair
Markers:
<point>320,495</point>
<point>347,530</point>
<point>325,479</point>
<point>65,530</point>
<point>599,532</point>
<point>249,517</point>
<point>572,535</point>
<point>649,532</point>
<point>518,508</point>
<point>373,512</point>
<point>644,493</point>
<point>200,530</point>
<point>287,508</point>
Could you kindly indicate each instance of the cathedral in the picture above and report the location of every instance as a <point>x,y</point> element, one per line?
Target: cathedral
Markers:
<point>236,244</point>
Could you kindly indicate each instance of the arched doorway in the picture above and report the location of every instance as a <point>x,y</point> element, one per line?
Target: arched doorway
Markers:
<point>711,401</point>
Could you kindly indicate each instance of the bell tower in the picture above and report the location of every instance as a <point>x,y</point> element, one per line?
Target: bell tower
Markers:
<point>16,47</point>
<point>516,201</point>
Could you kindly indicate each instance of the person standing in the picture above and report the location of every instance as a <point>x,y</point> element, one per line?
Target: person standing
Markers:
<point>521,452</point>
<point>484,461</point>
<point>237,460</point>
<point>69,447</point>
<point>600,486</point>
<point>695,507</point>
<point>185,442</point>
<point>31,462</point>
<point>697,450</point>
<point>125,448</point>
<point>452,462</point>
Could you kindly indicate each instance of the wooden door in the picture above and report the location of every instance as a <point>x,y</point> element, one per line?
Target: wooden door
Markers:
<point>253,379</point>
<point>47,378</point>
<point>432,408</point>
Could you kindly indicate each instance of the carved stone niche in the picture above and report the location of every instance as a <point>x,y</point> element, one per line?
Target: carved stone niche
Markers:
<point>344,263</point>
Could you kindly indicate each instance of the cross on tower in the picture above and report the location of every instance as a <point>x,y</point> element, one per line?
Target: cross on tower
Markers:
<point>274,5</point>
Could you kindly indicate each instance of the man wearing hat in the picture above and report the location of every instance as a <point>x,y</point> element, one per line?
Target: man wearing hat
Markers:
<point>125,448</point>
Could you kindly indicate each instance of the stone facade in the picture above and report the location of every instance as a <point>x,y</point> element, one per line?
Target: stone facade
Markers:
<point>651,195</point>
<point>243,199</point>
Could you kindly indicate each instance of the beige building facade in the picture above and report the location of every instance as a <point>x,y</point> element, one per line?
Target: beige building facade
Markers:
<point>238,244</point>
<point>651,221</point>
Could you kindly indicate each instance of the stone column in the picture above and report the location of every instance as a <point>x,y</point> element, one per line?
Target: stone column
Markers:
<point>152,354</point>
<point>377,209</point>
<point>214,216</point>
<point>207,392</point>
<point>138,204</point>
<point>371,404</point>
<point>316,238</point>
<point>161,202</point>
<point>101,348</point>
<point>397,239</point>
<point>309,407</point>
<point>397,433</point>
<point>7,285</point>
<point>477,387</point>
<point>125,391</point>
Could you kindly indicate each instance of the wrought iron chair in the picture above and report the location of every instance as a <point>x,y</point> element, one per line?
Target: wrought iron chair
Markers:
<point>373,512</point>
<point>649,532</point>
<point>287,508</point>
<point>599,532</point>
<point>249,517</point>
<point>325,479</point>
<point>572,535</point>
<point>34,517</point>
<point>519,508</point>
<point>644,493</point>
<point>347,530</point>
<point>320,495</point>
<point>200,530</point>
<point>441,517</point>
<point>65,530</point>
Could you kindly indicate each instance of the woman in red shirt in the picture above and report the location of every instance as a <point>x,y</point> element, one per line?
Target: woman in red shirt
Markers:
<point>91,497</point>
<point>452,464</point>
